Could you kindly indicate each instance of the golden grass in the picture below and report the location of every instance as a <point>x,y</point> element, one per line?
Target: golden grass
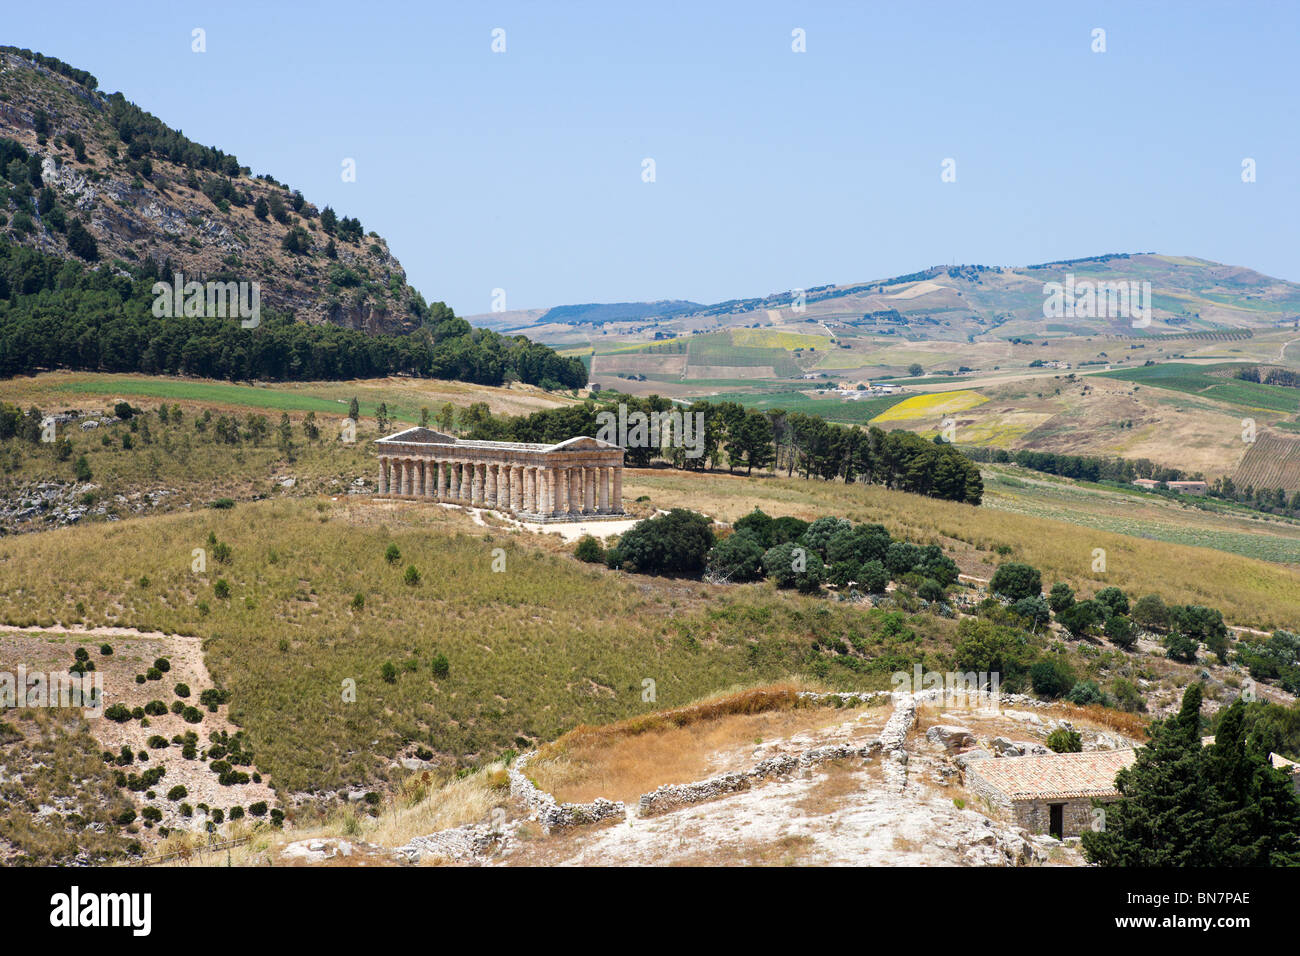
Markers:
<point>622,763</point>
<point>1249,592</point>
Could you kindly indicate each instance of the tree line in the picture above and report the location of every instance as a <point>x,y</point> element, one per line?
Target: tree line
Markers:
<point>56,313</point>
<point>733,436</point>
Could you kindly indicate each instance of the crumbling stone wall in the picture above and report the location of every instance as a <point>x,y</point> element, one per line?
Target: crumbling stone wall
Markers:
<point>552,814</point>
<point>672,796</point>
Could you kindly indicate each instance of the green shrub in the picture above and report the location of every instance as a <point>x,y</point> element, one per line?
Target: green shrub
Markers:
<point>412,575</point>
<point>1051,676</point>
<point>1061,597</point>
<point>182,690</point>
<point>221,589</point>
<point>1064,741</point>
<point>177,792</point>
<point>441,666</point>
<point>677,542</point>
<point>388,672</point>
<point>873,577</point>
<point>393,554</point>
<point>1015,581</point>
<point>737,558</point>
<point>588,549</point>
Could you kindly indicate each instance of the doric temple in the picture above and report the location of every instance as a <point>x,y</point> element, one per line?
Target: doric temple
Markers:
<point>581,478</point>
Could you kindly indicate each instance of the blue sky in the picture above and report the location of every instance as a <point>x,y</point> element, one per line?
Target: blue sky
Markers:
<point>774,170</point>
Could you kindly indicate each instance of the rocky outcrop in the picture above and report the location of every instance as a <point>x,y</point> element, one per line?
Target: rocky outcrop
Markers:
<point>952,739</point>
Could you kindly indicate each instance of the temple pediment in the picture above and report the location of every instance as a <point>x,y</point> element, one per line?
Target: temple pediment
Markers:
<point>421,435</point>
<point>582,442</point>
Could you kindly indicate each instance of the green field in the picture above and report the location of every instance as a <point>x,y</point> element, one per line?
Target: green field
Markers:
<point>1198,380</point>
<point>832,409</point>
<point>248,396</point>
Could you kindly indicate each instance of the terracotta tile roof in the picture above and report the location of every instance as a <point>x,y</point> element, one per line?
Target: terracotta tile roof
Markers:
<point>1054,776</point>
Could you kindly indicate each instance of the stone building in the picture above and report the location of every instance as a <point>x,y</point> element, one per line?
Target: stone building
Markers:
<point>1052,793</point>
<point>578,479</point>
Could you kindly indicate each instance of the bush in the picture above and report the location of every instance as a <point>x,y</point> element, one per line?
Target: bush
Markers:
<point>1121,632</point>
<point>873,578</point>
<point>1061,597</point>
<point>1127,696</point>
<point>780,562</point>
<point>388,672</point>
<point>1033,609</point>
<point>931,590</point>
<point>1051,677</point>
<point>1150,612</point>
<point>441,666</point>
<point>820,532</point>
<point>787,530</point>
<point>1082,618</point>
<point>118,713</point>
<point>106,650</point>
<point>614,559</point>
<point>1015,581</point>
<point>236,813</point>
<point>1113,599</point>
<point>192,715</point>
<point>809,580</point>
<point>125,818</point>
<point>177,792</point>
<point>1180,647</point>
<point>1085,692</point>
<point>393,554</point>
<point>155,708</point>
<point>358,601</point>
<point>738,558</point>
<point>222,588</point>
<point>182,690</point>
<point>901,557</point>
<point>589,550</point>
<point>676,542</point>
<point>411,575</point>
<point>758,526</point>
<point>257,809</point>
<point>1064,741</point>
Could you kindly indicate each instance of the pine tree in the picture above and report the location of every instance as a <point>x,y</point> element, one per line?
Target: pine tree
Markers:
<point>1160,819</point>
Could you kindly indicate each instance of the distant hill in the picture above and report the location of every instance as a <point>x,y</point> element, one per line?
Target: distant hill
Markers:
<point>969,302</point>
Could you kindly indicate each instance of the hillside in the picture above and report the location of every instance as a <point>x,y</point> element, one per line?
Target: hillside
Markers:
<point>144,192</point>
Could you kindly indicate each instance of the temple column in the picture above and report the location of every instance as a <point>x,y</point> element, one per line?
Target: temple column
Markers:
<point>383,476</point>
<point>418,484</point>
<point>530,489</point>
<point>602,477</point>
<point>589,490</point>
<point>562,490</point>
<point>453,481</point>
<point>575,490</point>
<point>400,483</point>
<point>463,481</point>
<point>516,489</point>
<point>476,489</point>
<point>490,484</point>
<point>429,477</point>
<point>442,479</point>
<point>617,492</point>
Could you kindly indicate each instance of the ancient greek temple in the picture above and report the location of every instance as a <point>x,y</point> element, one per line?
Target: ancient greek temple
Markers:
<point>581,478</point>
